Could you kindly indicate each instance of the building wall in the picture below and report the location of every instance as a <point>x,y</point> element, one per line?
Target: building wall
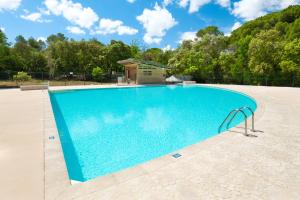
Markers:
<point>131,72</point>
<point>150,74</point>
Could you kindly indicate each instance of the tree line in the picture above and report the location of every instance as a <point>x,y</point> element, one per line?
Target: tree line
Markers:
<point>265,51</point>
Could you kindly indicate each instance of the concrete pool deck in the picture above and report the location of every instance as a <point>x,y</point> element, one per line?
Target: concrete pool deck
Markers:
<point>227,166</point>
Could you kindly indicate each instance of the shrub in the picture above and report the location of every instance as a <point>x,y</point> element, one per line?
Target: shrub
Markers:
<point>98,74</point>
<point>21,77</point>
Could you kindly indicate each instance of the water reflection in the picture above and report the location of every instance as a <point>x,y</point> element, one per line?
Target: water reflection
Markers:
<point>111,119</point>
<point>156,120</point>
<point>84,127</point>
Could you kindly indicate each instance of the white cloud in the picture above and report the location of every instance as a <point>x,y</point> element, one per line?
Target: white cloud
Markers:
<point>224,3</point>
<point>156,22</point>
<point>131,1</point>
<point>108,26</point>
<point>2,29</point>
<point>75,30</point>
<point>9,4</point>
<point>83,17</point>
<point>167,2</point>
<point>236,25</point>
<point>168,48</point>
<point>189,35</point>
<point>42,39</point>
<point>35,17</point>
<point>251,9</point>
<point>195,5</point>
<point>183,3</point>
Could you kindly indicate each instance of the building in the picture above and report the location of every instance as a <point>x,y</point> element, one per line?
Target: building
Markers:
<point>143,72</point>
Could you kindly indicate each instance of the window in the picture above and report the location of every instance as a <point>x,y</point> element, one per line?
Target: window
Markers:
<point>147,73</point>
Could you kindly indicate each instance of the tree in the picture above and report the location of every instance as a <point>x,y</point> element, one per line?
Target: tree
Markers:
<point>4,52</point>
<point>265,53</point>
<point>152,54</point>
<point>37,45</point>
<point>98,74</point>
<point>199,58</point>
<point>230,70</point>
<point>21,77</point>
<point>3,38</point>
<point>242,71</point>
<point>22,53</point>
<point>136,51</point>
<point>88,55</point>
<point>116,51</point>
<point>290,63</point>
<point>210,30</point>
<point>28,55</point>
<point>293,30</point>
<point>56,38</point>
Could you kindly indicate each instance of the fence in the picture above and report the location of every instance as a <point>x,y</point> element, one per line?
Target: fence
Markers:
<point>6,79</point>
<point>60,79</point>
<point>250,79</point>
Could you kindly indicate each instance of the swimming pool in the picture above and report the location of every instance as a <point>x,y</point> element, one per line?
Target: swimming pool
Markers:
<point>106,130</point>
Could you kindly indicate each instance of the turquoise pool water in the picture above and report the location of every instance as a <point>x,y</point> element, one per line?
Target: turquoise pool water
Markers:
<point>106,130</point>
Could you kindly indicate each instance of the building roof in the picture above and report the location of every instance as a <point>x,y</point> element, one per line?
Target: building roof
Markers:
<point>137,61</point>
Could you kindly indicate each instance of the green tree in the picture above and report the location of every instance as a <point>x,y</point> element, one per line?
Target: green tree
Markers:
<point>116,50</point>
<point>56,38</point>
<point>4,52</point>
<point>265,54</point>
<point>3,38</point>
<point>293,30</point>
<point>21,77</point>
<point>136,51</point>
<point>210,30</point>
<point>98,74</point>
<point>290,63</point>
<point>37,45</point>
<point>152,54</point>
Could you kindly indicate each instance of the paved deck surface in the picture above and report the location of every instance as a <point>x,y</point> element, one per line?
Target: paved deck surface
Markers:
<point>21,145</point>
<point>228,166</point>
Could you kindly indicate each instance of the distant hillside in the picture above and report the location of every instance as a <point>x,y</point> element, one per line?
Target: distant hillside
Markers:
<point>287,22</point>
<point>264,51</point>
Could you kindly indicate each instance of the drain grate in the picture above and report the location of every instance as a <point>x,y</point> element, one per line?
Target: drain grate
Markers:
<point>51,137</point>
<point>177,155</point>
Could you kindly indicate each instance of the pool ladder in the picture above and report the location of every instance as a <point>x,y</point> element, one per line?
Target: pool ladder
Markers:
<point>233,114</point>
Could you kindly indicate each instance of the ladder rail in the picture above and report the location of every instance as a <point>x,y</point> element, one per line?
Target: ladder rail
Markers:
<point>243,108</point>
<point>231,112</point>
<point>232,116</point>
<point>245,119</point>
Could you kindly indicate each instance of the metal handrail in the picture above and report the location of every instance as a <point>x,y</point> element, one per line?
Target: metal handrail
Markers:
<point>234,113</point>
<point>231,112</point>
<point>242,108</point>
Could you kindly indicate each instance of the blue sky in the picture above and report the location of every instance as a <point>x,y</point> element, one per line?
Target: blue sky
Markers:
<point>155,23</point>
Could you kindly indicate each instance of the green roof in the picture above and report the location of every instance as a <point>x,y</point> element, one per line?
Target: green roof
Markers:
<point>137,61</point>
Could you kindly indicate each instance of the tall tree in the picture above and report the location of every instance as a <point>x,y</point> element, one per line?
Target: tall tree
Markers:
<point>265,53</point>
<point>290,63</point>
<point>3,38</point>
<point>210,30</point>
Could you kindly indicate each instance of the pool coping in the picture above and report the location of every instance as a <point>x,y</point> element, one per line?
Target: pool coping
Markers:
<point>57,182</point>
